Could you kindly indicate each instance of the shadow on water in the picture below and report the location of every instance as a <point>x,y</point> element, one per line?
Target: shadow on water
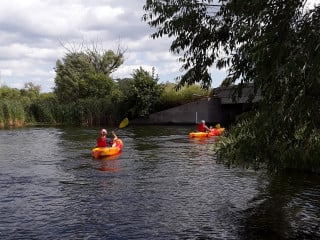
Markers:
<point>289,208</point>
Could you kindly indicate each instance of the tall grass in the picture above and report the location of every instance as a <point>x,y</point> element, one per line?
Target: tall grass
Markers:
<point>93,111</point>
<point>11,113</point>
<point>42,110</point>
<point>2,118</point>
<point>89,112</point>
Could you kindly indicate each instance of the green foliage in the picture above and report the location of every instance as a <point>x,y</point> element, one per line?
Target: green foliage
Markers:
<point>172,97</point>
<point>197,35</point>
<point>9,93</point>
<point>11,113</point>
<point>30,91</point>
<point>106,62</point>
<point>89,111</point>
<point>272,44</point>
<point>283,60</point>
<point>85,75</point>
<point>275,148</point>
<point>94,111</point>
<point>143,94</point>
<point>15,104</point>
<point>43,109</point>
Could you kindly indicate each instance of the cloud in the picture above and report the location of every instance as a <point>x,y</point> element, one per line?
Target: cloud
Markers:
<point>6,72</point>
<point>32,32</point>
<point>311,4</point>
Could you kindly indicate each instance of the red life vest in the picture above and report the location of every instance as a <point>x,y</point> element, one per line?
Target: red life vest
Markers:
<point>101,142</point>
<point>201,127</point>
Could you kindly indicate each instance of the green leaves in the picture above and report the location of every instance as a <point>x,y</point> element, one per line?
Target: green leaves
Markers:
<point>11,113</point>
<point>86,74</point>
<point>143,93</point>
<point>192,26</point>
<point>272,44</point>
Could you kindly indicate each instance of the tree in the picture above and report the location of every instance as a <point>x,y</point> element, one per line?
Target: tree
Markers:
<point>196,33</point>
<point>143,93</point>
<point>9,93</point>
<point>86,74</point>
<point>233,34</point>
<point>272,44</point>
<point>31,89</point>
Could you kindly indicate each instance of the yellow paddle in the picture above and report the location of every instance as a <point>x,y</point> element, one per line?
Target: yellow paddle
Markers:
<point>124,123</point>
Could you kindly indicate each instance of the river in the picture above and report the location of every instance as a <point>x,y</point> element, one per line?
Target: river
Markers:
<point>162,186</point>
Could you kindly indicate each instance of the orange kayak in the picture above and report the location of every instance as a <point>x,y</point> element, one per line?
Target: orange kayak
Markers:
<point>99,152</point>
<point>213,132</point>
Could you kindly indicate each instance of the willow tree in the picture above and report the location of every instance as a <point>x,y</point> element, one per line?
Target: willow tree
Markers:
<point>275,45</point>
<point>85,87</point>
<point>86,74</point>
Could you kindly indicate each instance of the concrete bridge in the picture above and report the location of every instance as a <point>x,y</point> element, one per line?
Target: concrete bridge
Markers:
<point>221,108</point>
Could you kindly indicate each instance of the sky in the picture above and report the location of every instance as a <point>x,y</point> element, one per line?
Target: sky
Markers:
<point>37,33</point>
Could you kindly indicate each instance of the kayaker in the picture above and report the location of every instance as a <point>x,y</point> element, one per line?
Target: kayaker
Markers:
<point>202,127</point>
<point>103,141</point>
<point>113,142</point>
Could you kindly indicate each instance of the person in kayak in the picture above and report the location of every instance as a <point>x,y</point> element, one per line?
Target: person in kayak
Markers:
<point>113,140</point>
<point>202,127</point>
<point>103,141</point>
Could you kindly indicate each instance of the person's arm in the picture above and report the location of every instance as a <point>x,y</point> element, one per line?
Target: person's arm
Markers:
<point>114,135</point>
<point>114,142</point>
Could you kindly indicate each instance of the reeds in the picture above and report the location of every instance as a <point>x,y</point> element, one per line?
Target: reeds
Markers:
<point>11,113</point>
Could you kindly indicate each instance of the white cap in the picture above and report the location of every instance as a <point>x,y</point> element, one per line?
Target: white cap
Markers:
<point>103,131</point>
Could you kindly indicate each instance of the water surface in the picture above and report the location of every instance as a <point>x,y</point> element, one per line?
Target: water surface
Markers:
<point>162,186</point>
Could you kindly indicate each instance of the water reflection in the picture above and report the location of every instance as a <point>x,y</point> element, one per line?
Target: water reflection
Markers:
<point>282,210</point>
<point>108,164</point>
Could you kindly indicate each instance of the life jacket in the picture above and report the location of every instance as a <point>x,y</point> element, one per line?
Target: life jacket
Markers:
<point>201,127</point>
<point>117,143</point>
<point>101,142</point>
<point>215,132</point>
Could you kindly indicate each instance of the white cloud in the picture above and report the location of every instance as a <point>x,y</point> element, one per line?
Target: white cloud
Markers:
<point>31,33</point>
<point>5,72</point>
<point>101,16</point>
<point>311,4</point>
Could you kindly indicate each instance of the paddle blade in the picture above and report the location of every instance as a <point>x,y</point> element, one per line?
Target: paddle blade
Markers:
<point>124,123</point>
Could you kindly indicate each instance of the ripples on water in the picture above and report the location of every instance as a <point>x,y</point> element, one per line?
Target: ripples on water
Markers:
<point>162,186</point>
